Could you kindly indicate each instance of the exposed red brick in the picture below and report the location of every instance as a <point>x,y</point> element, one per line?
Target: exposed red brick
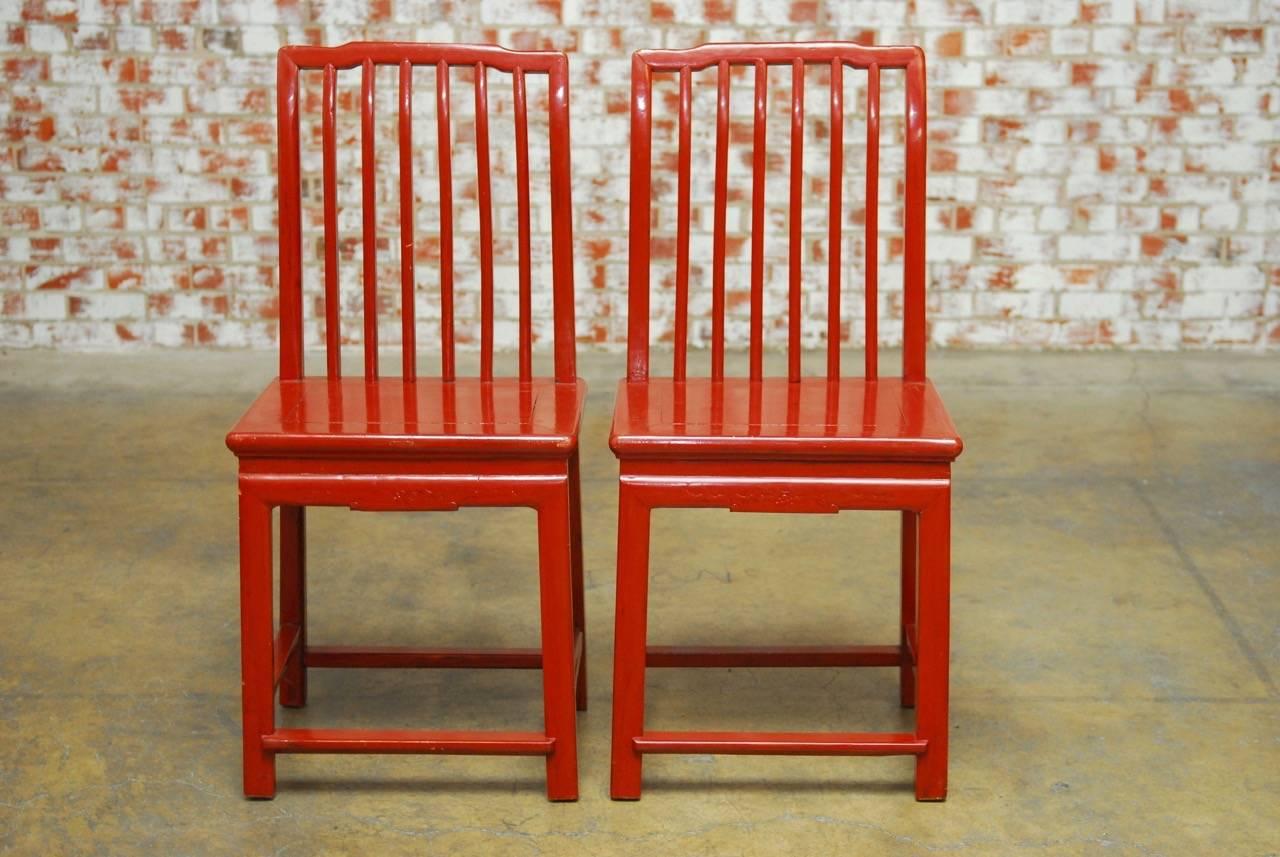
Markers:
<point>950,44</point>
<point>1083,73</point>
<point>942,160</point>
<point>957,102</point>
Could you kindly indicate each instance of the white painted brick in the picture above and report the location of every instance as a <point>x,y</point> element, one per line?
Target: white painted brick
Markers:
<point>1221,217</point>
<point>1208,10</point>
<point>1073,305</point>
<point>46,38</point>
<point>1112,40</point>
<point>134,39</point>
<point>1039,277</point>
<point>1035,11</point>
<point>45,305</point>
<point>1067,41</point>
<point>1206,278</point>
<point>1096,248</point>
<point>260,39</point>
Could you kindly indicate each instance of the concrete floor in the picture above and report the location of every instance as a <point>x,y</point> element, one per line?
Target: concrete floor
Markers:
<point>1116,645</point>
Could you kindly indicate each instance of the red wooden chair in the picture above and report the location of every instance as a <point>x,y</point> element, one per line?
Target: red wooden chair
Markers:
<point>410,443</point>
<point>785,444</point>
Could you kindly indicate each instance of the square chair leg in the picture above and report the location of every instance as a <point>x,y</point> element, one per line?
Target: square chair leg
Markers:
<point>629,645</point>
<point>293,601</point>
<point>256,646</point>
<point>559,698</point>
<point>910,572</point>
<point>579,596</point>
<point>933,654</point>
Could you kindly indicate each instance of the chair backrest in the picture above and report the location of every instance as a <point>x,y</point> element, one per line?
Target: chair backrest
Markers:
<point>836,55</point>
<point>367,56</point>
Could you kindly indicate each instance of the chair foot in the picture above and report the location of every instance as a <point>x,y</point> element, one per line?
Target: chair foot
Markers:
<point>558,646</point>
<point>259,775</point>
<point>931,774</point>
<point>563,794</point>
<point>293,693</point>
<point>562,774</point>
<point>629,654</point>
<point>626,770</point>
<point>926,793</point>
<point>625,786</point>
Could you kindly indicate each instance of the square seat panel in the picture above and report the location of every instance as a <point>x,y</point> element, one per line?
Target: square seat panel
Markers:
<point>429,417</point>
<point>850,419</point>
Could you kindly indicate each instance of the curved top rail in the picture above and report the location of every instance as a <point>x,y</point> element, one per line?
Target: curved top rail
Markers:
<point>353,54</point>
<point>780,53</point>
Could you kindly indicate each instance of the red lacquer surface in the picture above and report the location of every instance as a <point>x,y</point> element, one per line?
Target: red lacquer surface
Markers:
<point>790,443</point>
<point>413,442</point>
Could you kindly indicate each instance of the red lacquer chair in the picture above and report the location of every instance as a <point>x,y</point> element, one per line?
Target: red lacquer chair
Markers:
<point>411,443</point>
<point>783,444</point>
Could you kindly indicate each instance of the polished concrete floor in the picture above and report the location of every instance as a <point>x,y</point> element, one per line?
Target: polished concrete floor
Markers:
<point>1116,643</point>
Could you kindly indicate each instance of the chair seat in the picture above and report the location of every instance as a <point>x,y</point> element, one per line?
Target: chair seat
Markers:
<point>392,418</point>
<point>849,419</point>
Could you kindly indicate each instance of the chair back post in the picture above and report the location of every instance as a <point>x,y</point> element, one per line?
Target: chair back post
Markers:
<point>290,216</point>
<point>562,222</point>
<point>638,273</point>
<point>837,55</point>
<point>913,268</point>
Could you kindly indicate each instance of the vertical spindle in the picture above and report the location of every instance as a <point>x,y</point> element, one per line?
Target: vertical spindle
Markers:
<point>796,217</point>
<point>444,143</point>
<point>721,205</point>
<point>522,216</point>
<point>834,215</point>
<point>329,179</point>
<point>682,227</point>
<point>486,223</point>
<point>368,166</point>
<point>872,220</point>
<point>408,338</point>
<point>757,223</point>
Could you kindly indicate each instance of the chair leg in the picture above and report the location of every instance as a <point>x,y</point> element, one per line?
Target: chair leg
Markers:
<point>256,646</point>
<point>910,568</point>
<point>555,571</point>
<point>933,639</point>
<point>579,598</point>
<point>629,644</point>
<point>293,601</point>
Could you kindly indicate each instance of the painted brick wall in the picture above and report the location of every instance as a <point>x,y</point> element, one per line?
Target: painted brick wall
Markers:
<point>1101,173</point>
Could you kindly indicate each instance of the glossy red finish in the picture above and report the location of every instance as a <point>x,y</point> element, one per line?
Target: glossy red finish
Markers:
<point>368,210</point>
<point>411,443</point>
<point>847,419</point>
<point>810,445</point>
<point>782,743</point>
<point>332,301</point>
<point>835,213</point>
<point>718,229</point>
<point>408,333</point>
<point>408,741</point>
<point>392,418</point>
